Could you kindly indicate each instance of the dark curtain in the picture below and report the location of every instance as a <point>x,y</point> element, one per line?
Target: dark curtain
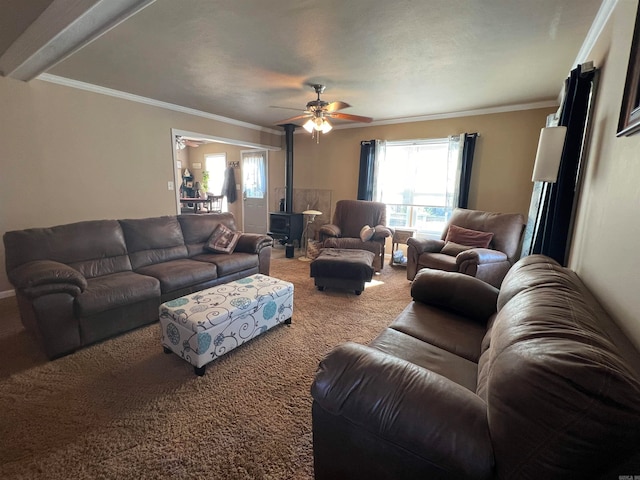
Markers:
<point>367,174</point>
<point>465,171</point>
<point>556,208</point>
<point>229,185</point>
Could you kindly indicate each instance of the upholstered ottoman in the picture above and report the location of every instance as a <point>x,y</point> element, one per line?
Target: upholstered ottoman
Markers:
<point>342,268</point>
<point>205,325</point>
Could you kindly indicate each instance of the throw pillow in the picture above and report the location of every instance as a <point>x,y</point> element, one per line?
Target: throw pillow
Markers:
<point>366,233</point>
<point>222,240</point>
<point>453,249</point>
<point>468,237</point>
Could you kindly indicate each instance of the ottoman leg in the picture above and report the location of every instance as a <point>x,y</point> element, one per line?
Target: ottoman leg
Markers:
<point>200,370</point>
<point>358,292</point>
<point>287,321</point>
<point>166,350</point>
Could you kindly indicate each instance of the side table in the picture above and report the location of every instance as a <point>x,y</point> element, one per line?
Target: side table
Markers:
<point>400,235</point>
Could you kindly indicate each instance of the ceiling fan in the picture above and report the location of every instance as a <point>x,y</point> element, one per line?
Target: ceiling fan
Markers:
<point>182,142</point>
<point>318,111</point>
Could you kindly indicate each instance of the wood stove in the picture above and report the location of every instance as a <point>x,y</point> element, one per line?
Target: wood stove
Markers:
<point>286,227</point>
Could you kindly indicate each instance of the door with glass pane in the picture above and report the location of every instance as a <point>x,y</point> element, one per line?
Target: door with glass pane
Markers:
<point>254,191</point>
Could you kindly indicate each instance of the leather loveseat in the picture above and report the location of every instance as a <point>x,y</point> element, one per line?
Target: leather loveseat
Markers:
<point>534,381</point>
<point>80,283</point>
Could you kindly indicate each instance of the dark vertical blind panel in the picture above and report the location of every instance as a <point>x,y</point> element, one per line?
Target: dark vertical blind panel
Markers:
<point>468,150</point>
<point>366,175</point>
<point>556,215</point>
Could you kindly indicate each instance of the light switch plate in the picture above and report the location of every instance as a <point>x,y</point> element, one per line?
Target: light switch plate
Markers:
<point>170,185</point>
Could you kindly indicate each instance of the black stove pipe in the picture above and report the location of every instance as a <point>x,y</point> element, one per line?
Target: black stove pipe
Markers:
<point>288,168</point>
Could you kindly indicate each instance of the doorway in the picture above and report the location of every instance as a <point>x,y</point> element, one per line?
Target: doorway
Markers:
<point>179,161</point>
<point>255,200</point>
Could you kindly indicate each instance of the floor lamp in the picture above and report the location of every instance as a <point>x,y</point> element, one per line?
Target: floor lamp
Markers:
<point>311,216</point>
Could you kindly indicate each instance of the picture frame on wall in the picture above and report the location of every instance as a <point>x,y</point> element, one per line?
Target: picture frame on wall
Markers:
<point>629,122</point>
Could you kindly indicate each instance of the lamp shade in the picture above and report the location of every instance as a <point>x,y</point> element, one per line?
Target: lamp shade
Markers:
<point>325,127</point>
<point>308,126</point>
<point>549,154</point>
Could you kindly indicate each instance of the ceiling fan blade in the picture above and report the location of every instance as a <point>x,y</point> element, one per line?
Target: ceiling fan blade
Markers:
<point>334,106</point>
<point>353,118</point>
<point>292,119</point>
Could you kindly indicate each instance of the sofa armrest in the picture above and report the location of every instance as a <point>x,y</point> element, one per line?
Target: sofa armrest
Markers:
<point>425,245</point>
<point>481,256</point>
<point>253,242</point>
<point>381,231</point>
<point>330,230</point>
<point>457,292</point>
<point>42,277</point>
<point>408,406</point>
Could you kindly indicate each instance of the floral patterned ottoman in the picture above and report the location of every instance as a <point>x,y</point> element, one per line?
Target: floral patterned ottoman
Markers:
<point>205,325</point>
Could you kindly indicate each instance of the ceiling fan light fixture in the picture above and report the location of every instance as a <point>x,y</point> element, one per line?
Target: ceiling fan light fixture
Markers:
<point>309,125</point>
<point>325,127</point>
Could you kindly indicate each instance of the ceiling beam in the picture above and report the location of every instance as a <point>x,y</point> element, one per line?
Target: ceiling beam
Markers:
<point>63,28</point>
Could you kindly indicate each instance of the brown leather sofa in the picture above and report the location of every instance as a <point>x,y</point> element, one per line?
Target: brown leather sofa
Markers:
<point>489,264</point>
<point>348,219</point>
<point>84,282</point>
<point>534,381</point>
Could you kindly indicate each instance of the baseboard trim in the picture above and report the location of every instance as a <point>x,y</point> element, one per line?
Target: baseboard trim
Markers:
<point>8,293</point>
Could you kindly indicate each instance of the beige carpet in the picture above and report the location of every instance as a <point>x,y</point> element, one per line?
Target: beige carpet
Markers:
<point>123,409</point>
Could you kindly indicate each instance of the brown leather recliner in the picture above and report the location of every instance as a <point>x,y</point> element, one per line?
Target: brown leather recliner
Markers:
<point>348,219</point>
<point>489,264</point>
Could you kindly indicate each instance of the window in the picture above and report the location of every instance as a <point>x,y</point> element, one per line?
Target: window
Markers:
<point>254,174</point>
<point>215,166</point>
<point>418,180</point>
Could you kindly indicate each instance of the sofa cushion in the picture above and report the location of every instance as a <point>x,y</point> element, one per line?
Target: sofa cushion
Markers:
<point>229,264</point>
<point>153,240</point>
<point>438,261</point>
<point>453,248</point>
<point>447,330</point>
<point>222,240</point>
<point>116,290</point>
<point>196,229</point>
<point>455,368</point>
<point>181,273</point>
<point>94,248</point>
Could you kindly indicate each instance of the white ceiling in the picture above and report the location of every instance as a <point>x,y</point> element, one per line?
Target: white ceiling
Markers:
<point>389,59</point>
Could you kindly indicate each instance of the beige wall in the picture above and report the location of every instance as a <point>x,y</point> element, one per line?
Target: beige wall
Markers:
<point>604,249</point>
<point>501,173</point>
<point>70,155</point>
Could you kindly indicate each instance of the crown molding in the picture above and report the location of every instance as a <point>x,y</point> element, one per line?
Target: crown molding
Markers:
<point>67,82</point>
<point>602,17</point>
<point>465,113</point>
